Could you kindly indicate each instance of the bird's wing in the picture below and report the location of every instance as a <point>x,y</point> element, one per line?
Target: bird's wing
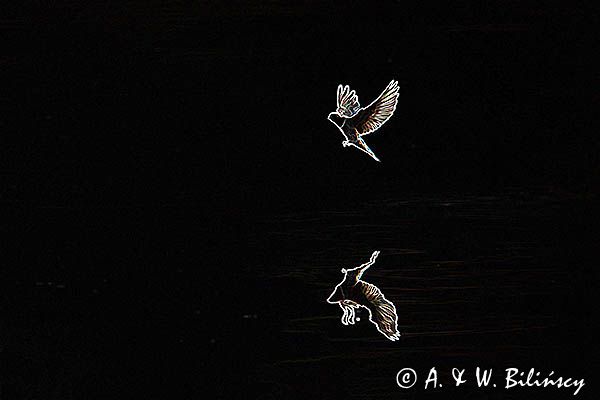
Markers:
<point>363,267</point>
<point>347,101</point>
<point>383,313</point>
<point>361,145</point>
<point>371,118</point>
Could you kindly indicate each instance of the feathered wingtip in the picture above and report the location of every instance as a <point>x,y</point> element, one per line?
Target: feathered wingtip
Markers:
<point>393,84</point>
<point>347,101</point>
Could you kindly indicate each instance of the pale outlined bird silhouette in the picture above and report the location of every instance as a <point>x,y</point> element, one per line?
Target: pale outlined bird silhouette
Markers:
<point>355,122</point>
<point>352,292</point>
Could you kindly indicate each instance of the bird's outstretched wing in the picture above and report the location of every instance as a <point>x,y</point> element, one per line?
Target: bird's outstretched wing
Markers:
<point>357,273</point>
<point>371,118</point>
<point>361,145</point>
<point>347,101</point>
<point>382,311</point>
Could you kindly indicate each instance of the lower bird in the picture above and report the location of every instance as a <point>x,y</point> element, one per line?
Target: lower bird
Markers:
<point>352,292</point>
<point>355,122</point>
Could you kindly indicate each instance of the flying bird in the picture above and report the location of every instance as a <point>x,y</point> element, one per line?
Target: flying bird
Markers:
<point>352,292</point>
<point>355,122</point>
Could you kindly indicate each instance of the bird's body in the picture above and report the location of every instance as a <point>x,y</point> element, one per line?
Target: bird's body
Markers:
<point>352,292</point>
<point>355,122</point>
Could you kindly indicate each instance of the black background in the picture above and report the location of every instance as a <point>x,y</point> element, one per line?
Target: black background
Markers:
<point>178,206</point>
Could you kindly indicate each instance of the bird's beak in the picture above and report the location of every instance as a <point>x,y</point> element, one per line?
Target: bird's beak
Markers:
<point>336,296</point>
<point>330,299</point>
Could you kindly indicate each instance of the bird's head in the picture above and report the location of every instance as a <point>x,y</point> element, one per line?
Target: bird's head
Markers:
<point>338,293</point>
<point>336,118</point>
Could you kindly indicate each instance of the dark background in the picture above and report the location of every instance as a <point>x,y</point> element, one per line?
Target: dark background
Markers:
<point>178,207</point>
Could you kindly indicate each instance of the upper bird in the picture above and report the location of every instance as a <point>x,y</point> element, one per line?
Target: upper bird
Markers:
<point>355,122</point>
